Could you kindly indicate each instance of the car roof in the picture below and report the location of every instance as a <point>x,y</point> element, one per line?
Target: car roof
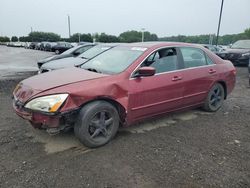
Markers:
<point>158,44</point>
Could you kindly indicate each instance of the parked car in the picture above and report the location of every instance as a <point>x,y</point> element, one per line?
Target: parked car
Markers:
<point>123,85</point>
<point>72,52</point>
<point>249,71</point>
<point>49,46</point>
<point>212,48</point>
<point>238,54</point>
<point>38,45</point>
<point>27,45</point>
<point>32,45</point>
<point>42,46</point>
<point>75,61</point>
<point>61,47</point>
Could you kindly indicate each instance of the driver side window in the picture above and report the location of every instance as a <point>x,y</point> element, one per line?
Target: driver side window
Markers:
<point>163,60</point>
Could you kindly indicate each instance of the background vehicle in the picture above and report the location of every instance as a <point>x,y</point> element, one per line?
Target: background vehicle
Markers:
<point>74,61</point>
<point>49,45</point>
<point>124,84</point>
<point>32,45</point>
<point>42,46</point>
<point>37,46</point>
<point>61,47</point>
<point>72,52</point>
<point>213,48</point>
<point>238,54</point>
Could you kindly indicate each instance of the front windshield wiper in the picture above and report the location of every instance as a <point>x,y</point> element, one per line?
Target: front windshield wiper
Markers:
<point>93,70</point>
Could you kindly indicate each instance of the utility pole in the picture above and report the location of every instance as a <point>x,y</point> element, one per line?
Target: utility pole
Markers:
<point>31,29</point>
<point>142,34</point>
<point>218,31</point>
<point>69,25</point>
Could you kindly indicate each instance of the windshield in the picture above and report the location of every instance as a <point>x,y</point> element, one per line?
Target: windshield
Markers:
<point>92,52</point>
<point>114,60</point>
<point>245,44</point>
<point>69,51</point>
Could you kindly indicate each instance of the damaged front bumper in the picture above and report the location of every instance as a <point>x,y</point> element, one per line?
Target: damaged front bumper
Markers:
<point>52,122</point>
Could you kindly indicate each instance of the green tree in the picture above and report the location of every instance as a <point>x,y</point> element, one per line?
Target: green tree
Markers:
<point>204,39</point>
<point>130,36</point>
<point>4,39</point>
<point>83,37</point>
<point>247,33</point>
<point>136,36</point>
<point>14,39</point>
<point>25,39</point>
<point>44,36</point>
<point>107,38</point>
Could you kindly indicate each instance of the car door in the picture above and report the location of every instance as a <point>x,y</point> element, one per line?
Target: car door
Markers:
<point>159,93</point>
<point>198,75</point>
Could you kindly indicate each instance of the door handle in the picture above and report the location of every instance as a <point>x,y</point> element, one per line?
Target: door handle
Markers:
<point>211,71</point>
<point>176,78</point>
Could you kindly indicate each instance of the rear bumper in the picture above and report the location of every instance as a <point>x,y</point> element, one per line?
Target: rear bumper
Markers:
<point>45,121</point>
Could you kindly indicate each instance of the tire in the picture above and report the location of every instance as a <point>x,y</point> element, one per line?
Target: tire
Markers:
<point>214,98</point>
<point>97,124</point>
<point>57,52</point>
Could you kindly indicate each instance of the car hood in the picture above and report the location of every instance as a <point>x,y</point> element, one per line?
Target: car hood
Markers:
<point>63,63</point>
<point>47,59</point>
<point>236,51</point>
<point>43,82</point>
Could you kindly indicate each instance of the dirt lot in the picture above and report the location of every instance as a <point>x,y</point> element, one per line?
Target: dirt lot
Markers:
<point>187,149</point>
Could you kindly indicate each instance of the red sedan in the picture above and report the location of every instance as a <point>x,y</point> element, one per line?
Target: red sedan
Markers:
<point>125,84</point>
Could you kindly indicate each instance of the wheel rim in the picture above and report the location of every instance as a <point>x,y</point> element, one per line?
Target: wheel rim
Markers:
<point>100,126</point>
<point>216,97</point>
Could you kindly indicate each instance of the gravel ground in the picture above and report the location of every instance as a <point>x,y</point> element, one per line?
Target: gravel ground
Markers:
<point>187,149</point>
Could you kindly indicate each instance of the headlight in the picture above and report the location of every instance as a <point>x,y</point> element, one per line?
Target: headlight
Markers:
<point>246,54</point>
<point>49,103</point>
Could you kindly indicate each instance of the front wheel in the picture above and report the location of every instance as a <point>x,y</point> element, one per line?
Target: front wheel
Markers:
<point>57,51</point>
<point>97,124</point>
<point>214,98</point>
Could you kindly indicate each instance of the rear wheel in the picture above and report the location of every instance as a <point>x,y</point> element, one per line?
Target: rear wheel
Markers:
<point>215,98</point>
<point>57,51</point>
<point>97,123</point>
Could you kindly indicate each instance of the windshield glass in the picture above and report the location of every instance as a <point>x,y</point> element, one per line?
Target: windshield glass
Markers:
<point>69,51</point>
<point>245,44</point>
<point>114,60</point>
<point>92,52</point>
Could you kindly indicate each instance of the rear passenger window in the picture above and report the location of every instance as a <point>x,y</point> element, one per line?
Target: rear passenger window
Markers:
<point>193,57</point>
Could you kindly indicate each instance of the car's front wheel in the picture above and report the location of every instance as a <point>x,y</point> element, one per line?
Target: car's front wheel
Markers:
<point>57,51</point>
<point>214,98</point>
<point>97,124</point>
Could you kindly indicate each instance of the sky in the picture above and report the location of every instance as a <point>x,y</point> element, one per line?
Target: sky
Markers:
<point>162,17</point>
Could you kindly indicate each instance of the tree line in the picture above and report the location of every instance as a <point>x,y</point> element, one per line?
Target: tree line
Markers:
<point>128,36</point>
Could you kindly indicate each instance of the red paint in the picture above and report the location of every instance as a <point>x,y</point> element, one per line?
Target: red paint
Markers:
<point>139,97</point>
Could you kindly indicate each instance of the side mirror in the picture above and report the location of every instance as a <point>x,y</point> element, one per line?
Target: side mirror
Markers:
<point>145,71</point>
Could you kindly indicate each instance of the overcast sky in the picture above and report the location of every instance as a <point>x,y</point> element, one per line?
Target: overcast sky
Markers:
<point>163,17</point>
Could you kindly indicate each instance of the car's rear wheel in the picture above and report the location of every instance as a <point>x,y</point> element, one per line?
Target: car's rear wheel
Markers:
<point>97,124</point>
<point>57,51</point>
<point>215,98</point>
